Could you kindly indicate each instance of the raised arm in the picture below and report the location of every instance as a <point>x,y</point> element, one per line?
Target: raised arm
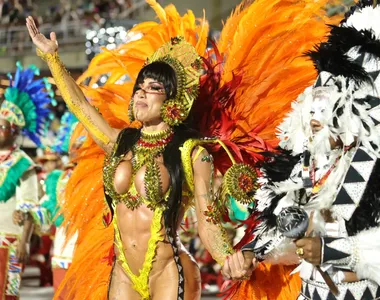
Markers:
<point>104,135</point>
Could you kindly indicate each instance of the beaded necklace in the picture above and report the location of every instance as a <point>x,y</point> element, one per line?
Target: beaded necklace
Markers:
<point>150,146</point>
<point>317,184</point>
<point>155,139</point>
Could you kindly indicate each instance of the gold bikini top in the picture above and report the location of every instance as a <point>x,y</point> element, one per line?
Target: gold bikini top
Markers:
<point>133,199</point>
<point>145,152</point>
<point>143,155</point>
<point>240,179</point>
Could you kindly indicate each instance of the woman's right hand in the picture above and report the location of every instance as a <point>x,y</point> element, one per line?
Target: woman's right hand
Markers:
<point>41,42</point>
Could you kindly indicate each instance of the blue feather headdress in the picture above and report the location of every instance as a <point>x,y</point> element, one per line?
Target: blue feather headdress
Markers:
<point>26,102</point>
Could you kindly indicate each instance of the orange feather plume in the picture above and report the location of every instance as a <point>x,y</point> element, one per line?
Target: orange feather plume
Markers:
<point>261,48</point>
<point>269,282</point>
<point>129,58</point>
<point>262,44</point>
<point>88,276</point>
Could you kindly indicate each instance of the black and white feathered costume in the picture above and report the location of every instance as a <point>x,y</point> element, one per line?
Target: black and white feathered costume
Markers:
<point>345,182</point>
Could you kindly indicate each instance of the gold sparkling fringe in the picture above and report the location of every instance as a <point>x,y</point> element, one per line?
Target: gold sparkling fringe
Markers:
<point>152,184</point>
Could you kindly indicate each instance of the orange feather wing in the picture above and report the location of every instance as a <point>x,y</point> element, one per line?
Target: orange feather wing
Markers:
<point>85,208</point>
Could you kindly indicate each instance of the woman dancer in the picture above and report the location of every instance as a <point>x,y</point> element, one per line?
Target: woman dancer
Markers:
<point>144,175</point>
<point>158,103</point>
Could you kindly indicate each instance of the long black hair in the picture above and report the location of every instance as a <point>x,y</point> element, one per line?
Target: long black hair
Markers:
<point>165,74</point>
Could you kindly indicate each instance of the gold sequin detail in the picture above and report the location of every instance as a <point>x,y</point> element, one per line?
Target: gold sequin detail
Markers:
<point>221,247</point>
<point>142,156</point>
<point>152,183</point>
<point>109,169</point>
<point>59,73</point>
<point>240,183</point>
<point>141,281</point>
<point>186,62</point>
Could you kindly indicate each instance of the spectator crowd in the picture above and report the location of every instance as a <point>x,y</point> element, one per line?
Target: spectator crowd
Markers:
<point>14,12</point>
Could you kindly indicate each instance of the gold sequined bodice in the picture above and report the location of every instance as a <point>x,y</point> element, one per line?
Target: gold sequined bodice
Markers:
<point>144,154</point>
<point>132,199</point>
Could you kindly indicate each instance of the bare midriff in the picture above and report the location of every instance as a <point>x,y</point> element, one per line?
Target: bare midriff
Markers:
<point>134,227</point>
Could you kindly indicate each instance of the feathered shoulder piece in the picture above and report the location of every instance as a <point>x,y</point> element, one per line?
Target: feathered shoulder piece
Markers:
<point>352,46</point>
<point>26,102</point>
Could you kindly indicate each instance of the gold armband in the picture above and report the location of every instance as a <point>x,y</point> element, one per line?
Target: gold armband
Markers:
<point>222,246</point>
<point>48,57</point>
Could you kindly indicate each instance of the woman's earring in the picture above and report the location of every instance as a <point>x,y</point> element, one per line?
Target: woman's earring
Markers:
<point>172,113</point>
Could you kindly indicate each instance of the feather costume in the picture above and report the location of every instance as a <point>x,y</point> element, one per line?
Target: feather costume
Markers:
<point>341,181</point>
<point>251,77</point>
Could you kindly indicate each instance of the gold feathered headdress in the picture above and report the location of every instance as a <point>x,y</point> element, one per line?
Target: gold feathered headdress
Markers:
<point>184,59</point>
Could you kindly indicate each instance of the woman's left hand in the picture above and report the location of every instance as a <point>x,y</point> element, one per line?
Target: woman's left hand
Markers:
<point>239,266</point>
<point>309,248</point>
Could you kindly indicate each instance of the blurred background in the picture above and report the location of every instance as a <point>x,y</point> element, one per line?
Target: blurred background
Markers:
<point>83,26</point>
